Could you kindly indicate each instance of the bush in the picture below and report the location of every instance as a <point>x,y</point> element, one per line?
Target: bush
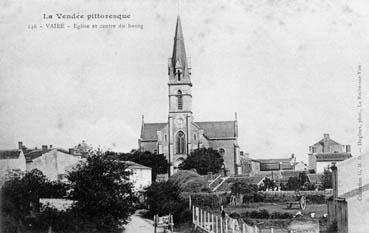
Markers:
<point>209,200</point>
<point>189,181</point>
<point>163,198</point>
<point>264,214</point>
<point>332,227</point>
<point>204,160</point>
<point>316,199</point>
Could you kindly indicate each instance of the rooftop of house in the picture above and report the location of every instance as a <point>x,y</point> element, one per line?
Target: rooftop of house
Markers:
<point>35,153</point>
<point>278,160</point>
<point>326,141</point>
<point>9,154</point>
<point>133,165</point>
<point>226,186</point>
<point>315,178</point>
<point>332,157</point>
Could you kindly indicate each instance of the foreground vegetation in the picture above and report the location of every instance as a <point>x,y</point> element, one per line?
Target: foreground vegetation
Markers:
<point>99,187</point>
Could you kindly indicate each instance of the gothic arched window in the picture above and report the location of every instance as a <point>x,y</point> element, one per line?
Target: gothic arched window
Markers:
<point>180,143</point>
<point>180,100</point>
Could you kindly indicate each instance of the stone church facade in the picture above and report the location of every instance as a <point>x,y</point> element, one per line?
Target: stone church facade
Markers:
<point>180,134</point>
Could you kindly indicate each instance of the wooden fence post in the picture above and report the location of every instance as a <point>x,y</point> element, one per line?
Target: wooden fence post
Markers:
<point>271,230</point>
<point>221,225</point>
<point>212,222</point>
<point>233,223</point>
<point>208,220</point>
<point>193,215</point>
<point>216,224</point>
<point>201,217</point>
<point>226,225</point>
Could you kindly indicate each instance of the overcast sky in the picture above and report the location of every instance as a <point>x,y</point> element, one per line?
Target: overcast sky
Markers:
<point>288,68</point>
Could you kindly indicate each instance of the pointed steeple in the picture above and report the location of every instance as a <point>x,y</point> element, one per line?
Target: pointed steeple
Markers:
<point>179,59</point>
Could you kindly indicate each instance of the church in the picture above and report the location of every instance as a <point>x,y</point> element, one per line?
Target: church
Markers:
<point>180,134</point>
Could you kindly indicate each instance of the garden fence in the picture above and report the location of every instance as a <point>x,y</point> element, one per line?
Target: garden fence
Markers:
<point>214,223</point>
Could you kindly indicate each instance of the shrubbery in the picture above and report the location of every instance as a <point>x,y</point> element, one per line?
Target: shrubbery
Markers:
<point>164,198</point>
<point>100,187</point>
<point>189,181</point>
<point>264,214</point>
<point>204,160</point>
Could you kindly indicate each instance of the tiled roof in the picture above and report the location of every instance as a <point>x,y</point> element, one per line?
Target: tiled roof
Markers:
<point>226,186</point>
<point>212,129</point>
<point>275,164</point>
<point>330,142</point>
<point>9,154</point>
<point>35,154</point>
<point>283,160</point>
<point>149,130</point>
<point>327,157</point>
<point>39,152</point>
<point>133,165</point>
<point>218,129</point>
<point>280,176</point>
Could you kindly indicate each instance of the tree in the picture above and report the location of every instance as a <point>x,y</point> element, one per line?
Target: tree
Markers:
<point>268,183</point>
<point>293,183</point>
<point>204,160</point>
<point>84,149</point>
<point>327,179</point>
<point>163,198</point>
<point>158,162</point>
<point>189,181</point>
<point>21,194</point>
<point>243,188</point>
<point>303,178</point>
<point>102,191</point>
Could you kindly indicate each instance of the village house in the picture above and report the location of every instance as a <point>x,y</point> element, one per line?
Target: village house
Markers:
<point>326,151</point>
<point>349,205</point>
<point>11,161</point>
<point>140,175</point>
<point>265,166</point>
<point>54,163</point>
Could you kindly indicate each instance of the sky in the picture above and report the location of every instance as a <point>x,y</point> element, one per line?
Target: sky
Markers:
<point>287,67</point>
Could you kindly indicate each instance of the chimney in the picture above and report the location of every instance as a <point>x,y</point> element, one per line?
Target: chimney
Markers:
<point>326,136</point>
<point>334,180</point>
<point>348,148</point>
<point>71,151</point>
<point>20,145</point>
<point>51,146</point>
<point>44,147</point>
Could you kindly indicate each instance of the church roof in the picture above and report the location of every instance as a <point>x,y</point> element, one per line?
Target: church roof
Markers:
<point>212,129</point>
<point>179,53</point>
<point>149,130</point>
<point>218,129</point>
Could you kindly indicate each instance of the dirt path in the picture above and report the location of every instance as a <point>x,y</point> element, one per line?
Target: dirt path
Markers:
<point>139,224</point>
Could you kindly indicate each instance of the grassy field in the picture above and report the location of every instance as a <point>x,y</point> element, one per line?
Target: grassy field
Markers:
<point>318,209</point>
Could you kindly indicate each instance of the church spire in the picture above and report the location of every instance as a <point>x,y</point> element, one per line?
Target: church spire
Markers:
<point>179,62</point>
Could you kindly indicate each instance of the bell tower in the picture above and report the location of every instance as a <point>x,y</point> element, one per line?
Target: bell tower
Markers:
<point>180,101</point>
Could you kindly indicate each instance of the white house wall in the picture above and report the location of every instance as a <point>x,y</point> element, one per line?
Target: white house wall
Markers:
<point>353,185</point>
